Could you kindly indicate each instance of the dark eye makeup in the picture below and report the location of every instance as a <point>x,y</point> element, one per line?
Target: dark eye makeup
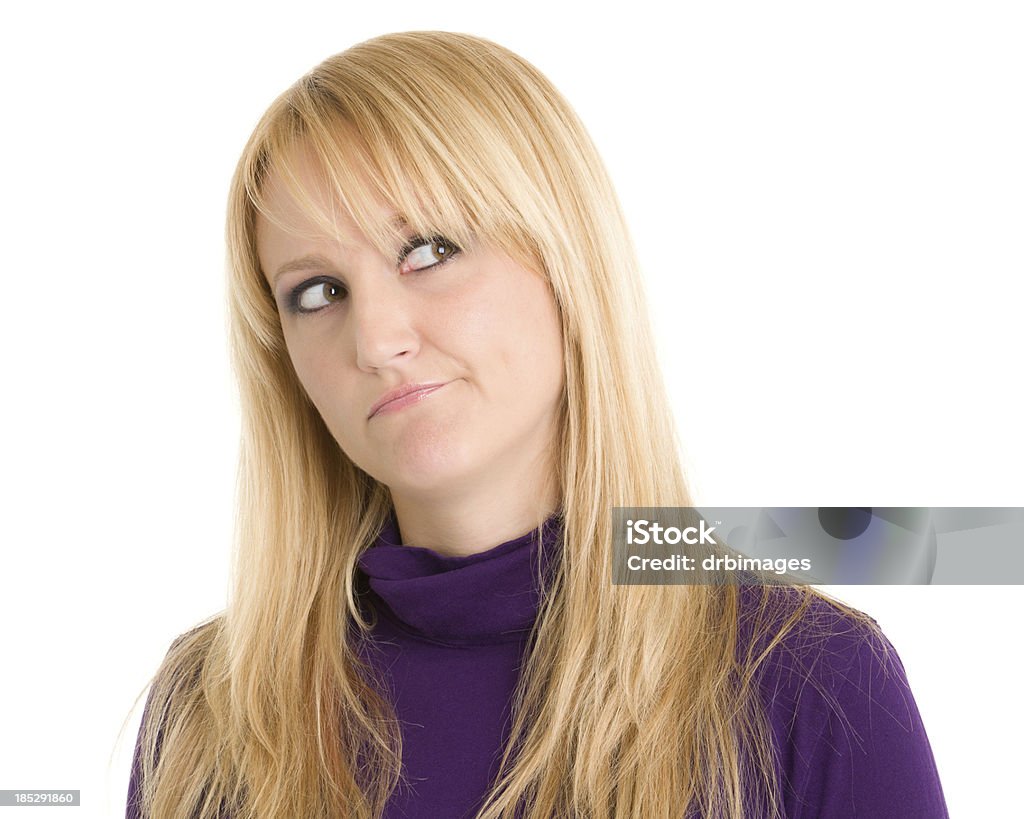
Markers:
<point>319,292</point>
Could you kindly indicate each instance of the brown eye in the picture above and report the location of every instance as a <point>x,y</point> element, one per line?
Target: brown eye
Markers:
<point>421,254</point>
<point>441,248</point>
<point>318,294</point>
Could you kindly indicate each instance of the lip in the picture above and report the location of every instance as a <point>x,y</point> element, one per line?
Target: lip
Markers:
<point>403,396</point>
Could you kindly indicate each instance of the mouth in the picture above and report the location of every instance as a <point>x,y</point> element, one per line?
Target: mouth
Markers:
<point>403,396</point>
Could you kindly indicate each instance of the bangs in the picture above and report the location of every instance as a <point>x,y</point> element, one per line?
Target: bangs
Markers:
<point>393,176</point>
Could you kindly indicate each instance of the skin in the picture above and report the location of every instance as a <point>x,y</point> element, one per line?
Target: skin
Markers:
<point>472,464</point>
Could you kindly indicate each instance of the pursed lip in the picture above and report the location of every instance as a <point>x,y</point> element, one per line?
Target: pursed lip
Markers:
<point>401,392</point>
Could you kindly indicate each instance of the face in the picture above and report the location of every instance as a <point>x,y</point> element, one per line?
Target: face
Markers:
<point>438,370</point>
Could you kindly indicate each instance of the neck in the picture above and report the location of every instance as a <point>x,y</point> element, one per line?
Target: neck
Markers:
<point>474,521</point>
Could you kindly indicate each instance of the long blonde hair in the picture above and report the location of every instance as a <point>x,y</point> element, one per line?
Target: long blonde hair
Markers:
<point>634,700</point>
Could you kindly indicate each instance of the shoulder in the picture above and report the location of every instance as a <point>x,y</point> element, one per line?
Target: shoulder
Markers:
<point>176,677</point>
<point>847,730</point>
<point>181,670</point>
<point>188,651</point>
<point>802,637</point>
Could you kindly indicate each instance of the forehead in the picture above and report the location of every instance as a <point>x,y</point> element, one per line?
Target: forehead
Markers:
<point>299,205</point>
<point>299,195</point>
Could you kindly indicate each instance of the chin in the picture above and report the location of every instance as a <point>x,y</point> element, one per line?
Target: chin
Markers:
<point>429,477</point>
<point>436,466</point>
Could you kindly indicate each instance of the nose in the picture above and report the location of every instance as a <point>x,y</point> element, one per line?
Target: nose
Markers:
<point>383,325</point>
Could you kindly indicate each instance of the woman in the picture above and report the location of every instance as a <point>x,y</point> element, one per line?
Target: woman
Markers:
<point>447,383</point>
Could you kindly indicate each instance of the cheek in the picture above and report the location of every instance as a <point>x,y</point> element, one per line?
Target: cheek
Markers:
<point>309,368</point>
<point>540,323</point>
<point>321,378</point>
<point>550,353</point>
<point>472,327</point>
<point>533,341</point>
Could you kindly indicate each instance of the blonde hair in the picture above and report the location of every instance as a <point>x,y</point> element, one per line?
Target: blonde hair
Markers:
<point>634,701</point>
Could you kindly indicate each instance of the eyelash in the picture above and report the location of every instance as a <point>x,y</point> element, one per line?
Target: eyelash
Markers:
<point>414,243</point>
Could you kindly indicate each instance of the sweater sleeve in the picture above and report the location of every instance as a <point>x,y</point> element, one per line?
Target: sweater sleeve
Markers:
<point>866,754</point>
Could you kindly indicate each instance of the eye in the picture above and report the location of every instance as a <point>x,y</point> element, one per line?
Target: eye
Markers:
<point>316,294</point>
<point>420,253</point>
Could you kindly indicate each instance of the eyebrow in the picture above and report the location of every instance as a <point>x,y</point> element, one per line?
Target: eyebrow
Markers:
<point>315,261</point>
<point>312,262</point>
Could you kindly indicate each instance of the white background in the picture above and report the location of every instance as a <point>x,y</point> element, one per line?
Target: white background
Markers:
<point>827,202</point>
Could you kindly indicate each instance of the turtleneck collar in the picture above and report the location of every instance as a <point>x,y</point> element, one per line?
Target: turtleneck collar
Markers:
<point>487,597</point>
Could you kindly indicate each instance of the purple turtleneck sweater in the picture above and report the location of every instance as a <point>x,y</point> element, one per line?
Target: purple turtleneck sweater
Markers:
<point>451,633</point>
<point>450,639</point>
